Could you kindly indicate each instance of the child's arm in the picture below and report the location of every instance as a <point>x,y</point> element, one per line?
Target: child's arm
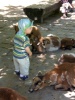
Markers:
<point>70,5</point>
<point>27,49</point>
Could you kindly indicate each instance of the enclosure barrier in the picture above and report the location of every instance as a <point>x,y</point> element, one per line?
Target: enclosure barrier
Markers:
<point>38,12</point>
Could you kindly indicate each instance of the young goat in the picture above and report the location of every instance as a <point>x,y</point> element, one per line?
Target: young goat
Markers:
<point>67,43</point>
<point>51,42</point>
<point>10,94</point>
<point>67,57</point>
<point>62,76</point>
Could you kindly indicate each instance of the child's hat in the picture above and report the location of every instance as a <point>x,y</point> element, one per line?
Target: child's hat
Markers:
<point>23,24</point>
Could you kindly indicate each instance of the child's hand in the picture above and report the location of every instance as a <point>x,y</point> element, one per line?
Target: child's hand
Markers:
<point>27,49</point>
<point>30,54</point>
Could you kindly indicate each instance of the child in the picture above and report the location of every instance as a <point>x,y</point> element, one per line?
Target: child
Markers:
<point>21,51</point>
<point>70,1</point>
<point>65,8</point>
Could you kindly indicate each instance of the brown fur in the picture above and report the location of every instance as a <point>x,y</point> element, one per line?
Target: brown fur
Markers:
<point>35,38</point>
<point>62,76</point>
<point>67,43</point>
<point>16,28</point>
<point>66,58</point>
<point>10,94</point>
<point>54,40</point>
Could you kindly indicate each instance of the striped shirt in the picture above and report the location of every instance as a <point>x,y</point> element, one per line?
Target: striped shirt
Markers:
<point>20,43</point>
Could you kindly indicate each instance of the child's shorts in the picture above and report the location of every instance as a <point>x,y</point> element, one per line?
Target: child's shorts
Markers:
<point>62,10</point>
<point>22,65</point>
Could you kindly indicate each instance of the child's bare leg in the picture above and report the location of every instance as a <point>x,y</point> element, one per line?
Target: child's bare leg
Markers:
<point>64,15</point>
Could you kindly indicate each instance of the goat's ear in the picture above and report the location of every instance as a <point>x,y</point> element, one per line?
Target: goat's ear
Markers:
<point>33,78</point>
<point>56,65</point>
<point>40,73</point>
<point>41,39</point>
<point>47,40</point>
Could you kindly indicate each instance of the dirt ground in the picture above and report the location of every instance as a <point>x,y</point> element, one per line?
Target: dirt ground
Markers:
<point>9,15</point>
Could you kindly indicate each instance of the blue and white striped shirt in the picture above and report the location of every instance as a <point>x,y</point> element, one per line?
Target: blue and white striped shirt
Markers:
<point>20,43</point>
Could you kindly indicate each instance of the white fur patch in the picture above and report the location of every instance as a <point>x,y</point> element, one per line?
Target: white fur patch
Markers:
<point>50,35</point>
<point>52,48</point>
<point>69,54</point>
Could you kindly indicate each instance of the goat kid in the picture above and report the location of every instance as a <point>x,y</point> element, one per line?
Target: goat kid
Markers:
<point>51,42</point>
<point>10,94</point>
<point>67,57</point>
<point>67,43</point>
<point>62,76</point>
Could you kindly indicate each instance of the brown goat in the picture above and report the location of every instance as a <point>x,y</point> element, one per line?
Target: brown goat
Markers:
<point>67,43</point>
<point>62,76</point>
<point>35,39</point>
<point>67,57</point>
<point>10,94</point>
